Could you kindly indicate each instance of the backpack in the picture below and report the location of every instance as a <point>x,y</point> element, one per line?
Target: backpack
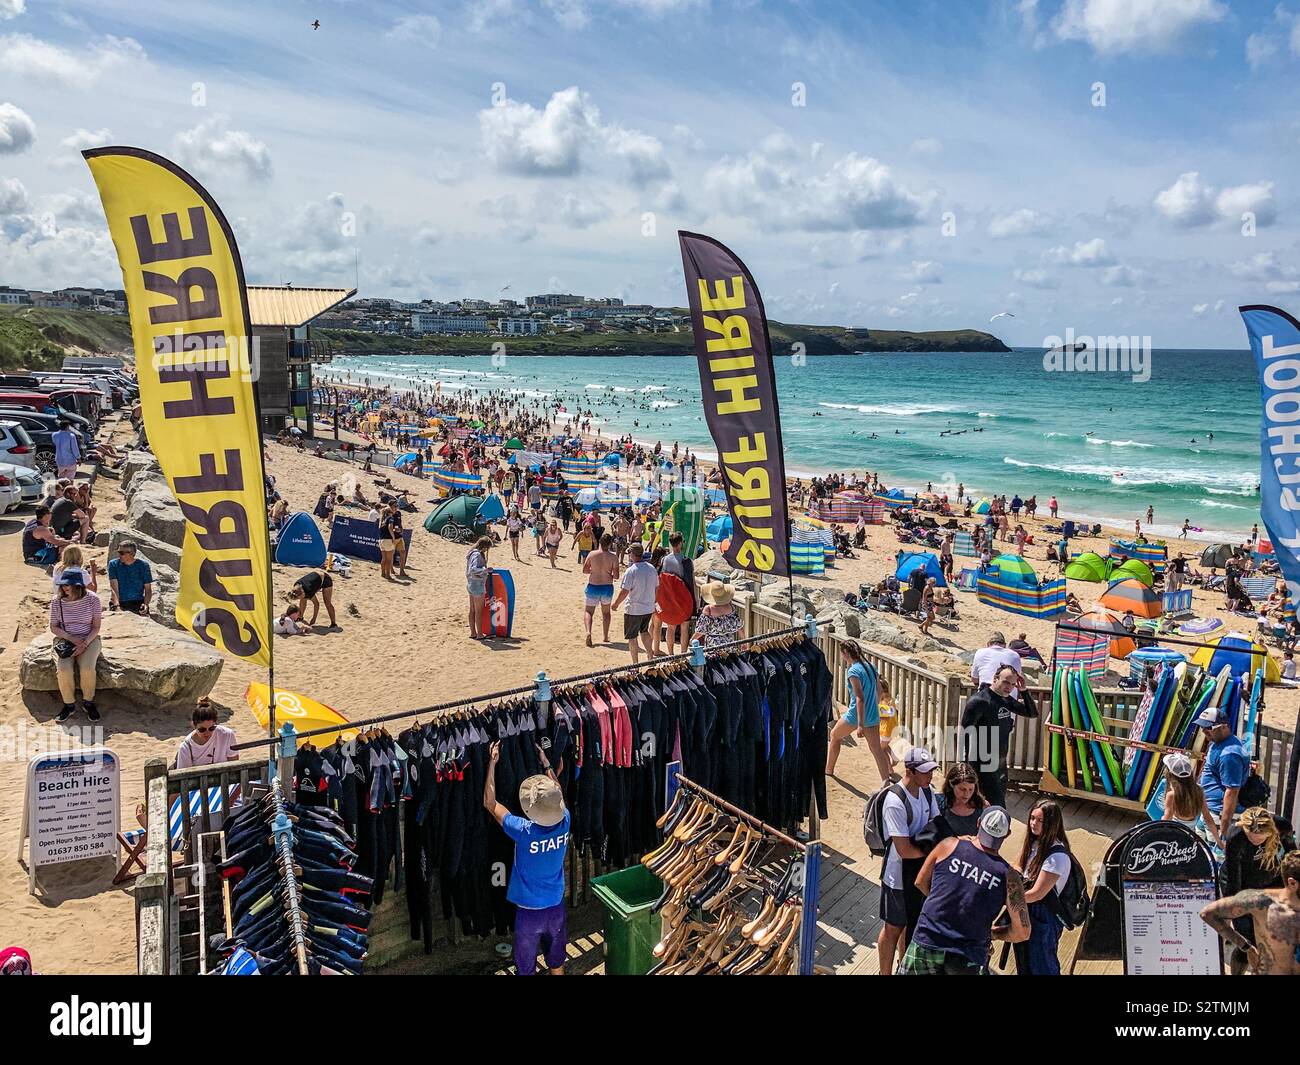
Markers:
<point>1071,902</point>
<point>1254,792</point>
<point>873,819</point>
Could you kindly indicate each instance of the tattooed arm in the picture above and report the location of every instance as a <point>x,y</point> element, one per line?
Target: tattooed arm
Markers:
<point>1219,916</point>
<point>1018,930</point>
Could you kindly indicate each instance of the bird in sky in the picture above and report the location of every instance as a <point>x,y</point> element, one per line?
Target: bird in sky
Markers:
<point>316,24</point>
<point>1001,314</point>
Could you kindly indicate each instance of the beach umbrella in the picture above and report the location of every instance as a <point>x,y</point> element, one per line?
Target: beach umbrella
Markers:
<point>404,460</point>
<point>1089,566</point>
<point>923,560</point>
<point>983,506</point>
<point>1240,653</point>
<point>586,497</point>
<point>1199,626</point>
<point>1153,656</point>
<point>302,711</point>
<point>1014,569</point>
<point>1130,594</point>
<point>1135,568</point>
<point>719,529</point>
<point>1216,556</point>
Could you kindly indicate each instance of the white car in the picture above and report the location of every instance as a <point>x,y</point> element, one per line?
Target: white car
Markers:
<point>11,492</point>
<point>16,446</point>
<point>30,484</point>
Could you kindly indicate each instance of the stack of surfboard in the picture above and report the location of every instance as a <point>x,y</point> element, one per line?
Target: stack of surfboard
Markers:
<point>1089,764</point>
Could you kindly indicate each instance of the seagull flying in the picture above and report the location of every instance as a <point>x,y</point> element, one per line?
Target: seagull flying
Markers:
<point>316,24</point>
<point>1001,314</point>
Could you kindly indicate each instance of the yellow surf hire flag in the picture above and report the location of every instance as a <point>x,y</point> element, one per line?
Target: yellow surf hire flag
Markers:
<point>189,320</point>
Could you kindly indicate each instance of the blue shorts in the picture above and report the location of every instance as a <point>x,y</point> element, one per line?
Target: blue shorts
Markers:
<point>872,717</point>
<point>476,588</point>
<point>541,931</point>
<point>597,594</point>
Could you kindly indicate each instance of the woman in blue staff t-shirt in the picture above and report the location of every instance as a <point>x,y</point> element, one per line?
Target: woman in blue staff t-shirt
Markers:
<point>536,888</point>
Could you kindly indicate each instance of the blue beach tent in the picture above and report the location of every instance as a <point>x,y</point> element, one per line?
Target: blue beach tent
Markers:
<point>300,543</point>
<point>914,560</point>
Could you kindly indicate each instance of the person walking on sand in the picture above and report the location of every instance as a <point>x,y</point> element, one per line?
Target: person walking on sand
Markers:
<point>601,568</point>
<point>867,690</point>
<point>476,578</point>
<point>928,612</point>
<point>514,528</point>
<point>553,538</point>
<point>639,587</point>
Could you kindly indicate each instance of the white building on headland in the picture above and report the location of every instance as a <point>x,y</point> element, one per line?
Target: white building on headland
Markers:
<point>529,326</point>
<point>448,323</point>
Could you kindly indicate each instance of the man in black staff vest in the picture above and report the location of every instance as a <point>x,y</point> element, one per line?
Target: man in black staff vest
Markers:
<point>966,884</point>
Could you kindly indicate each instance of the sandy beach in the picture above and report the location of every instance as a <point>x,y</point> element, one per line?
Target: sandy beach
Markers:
<point>403,644</point>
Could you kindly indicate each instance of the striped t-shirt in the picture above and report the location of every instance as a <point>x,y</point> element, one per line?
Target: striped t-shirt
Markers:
<point>76,617</point>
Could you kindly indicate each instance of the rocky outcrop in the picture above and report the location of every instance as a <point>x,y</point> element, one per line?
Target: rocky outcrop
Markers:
<point>134,463</point>
<point>138,658</point>
<point>152,511</point>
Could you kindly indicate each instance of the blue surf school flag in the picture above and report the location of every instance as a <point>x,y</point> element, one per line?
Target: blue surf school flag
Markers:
<point>1275,342</point>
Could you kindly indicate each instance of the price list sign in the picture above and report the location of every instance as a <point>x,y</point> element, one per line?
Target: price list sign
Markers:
<point>72,809</point>
<point>1164,931</point>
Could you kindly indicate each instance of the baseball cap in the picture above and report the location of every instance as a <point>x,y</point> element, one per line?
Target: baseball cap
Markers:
<point>542,802</point>
<point>919,760</point>
<point>994,827</point>
<point>1178,764</point>
<point>1211,716</point>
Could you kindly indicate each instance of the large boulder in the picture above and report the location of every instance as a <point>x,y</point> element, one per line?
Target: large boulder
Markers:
<point>151,664</point>
<point>145,479</point>
<point>153,551</point>
<point>136,462</point>
<point>154,512</point>
<point>166,584</point>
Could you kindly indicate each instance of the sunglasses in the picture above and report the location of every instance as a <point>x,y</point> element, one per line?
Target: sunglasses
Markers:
<point>203,730</point>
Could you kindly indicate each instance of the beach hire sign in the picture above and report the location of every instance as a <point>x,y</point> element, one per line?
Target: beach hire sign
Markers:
<point>194,363</point>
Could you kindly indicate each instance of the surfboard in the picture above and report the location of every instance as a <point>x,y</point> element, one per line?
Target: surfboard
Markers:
<point>1162,736</point>
<point>1054,762</point>
<point>1080,744</point>
<point>1252,711</point>
<point>1146,728</point>
<point>683,512</point>
<point>1066,745</point>
<point>1099,726</point>
<point>498,616</point>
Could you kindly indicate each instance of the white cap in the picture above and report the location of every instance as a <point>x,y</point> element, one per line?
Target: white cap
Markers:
<point>1178,764</point>
<point>995,826</point>
<point>919,760</point>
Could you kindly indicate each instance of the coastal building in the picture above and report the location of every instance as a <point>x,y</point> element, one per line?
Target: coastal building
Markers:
<point>422,322</point>
<point>526,326</point>
<point>554,299</point>
<point>282,318</point>
<point>12,297</point>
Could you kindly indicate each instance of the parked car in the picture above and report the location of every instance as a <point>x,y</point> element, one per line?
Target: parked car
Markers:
<point>41,428</point>
<point>11,493</point>
<point>16,446</point>
<point>30,483</point>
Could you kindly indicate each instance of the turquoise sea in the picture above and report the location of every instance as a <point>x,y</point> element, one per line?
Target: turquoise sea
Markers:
<point>1106,445</point>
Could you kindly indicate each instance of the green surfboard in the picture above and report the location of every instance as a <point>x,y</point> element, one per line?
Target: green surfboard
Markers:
<point>1055,757</point>
<point>1080,744</point>
<point>1099,726</point>
<point>683,511</point>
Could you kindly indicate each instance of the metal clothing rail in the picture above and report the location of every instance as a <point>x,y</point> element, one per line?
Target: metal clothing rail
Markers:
<point>812,854</point>
<point>282,830</point>
<point>541,688</point>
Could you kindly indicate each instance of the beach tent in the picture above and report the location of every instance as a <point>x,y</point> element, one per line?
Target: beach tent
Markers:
<point>715,495</point>
<point>923,560</point>
<point>514,444</point>
<point>1136,569</point>
<point>491,509</point>
<point>1089,566</point>
<point>613,459</point>
<point>404,460</point>
<point>1152,656</point>
<point>1240,653</point>
<point>1122,643</point>
<point>982,506</point>
<point>1130,594</point>
<point>457,519</point>
<point>1216,555</point>
<point>1013,569</point>
<point>719,529</point>
<point>300,543</point>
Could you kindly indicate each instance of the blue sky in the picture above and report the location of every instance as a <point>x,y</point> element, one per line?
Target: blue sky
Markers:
<point>942,162</point>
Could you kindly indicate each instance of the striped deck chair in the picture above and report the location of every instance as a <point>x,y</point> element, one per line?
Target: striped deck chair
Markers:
<point>1258,587</point>
<point>216,806</point>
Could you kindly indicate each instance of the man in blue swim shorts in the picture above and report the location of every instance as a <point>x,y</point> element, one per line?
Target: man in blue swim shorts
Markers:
<point>601,568</point>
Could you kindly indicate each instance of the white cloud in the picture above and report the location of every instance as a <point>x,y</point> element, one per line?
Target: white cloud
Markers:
<point>1084,253</point>
<point>428,235</point>
<point>1019,223</point>
<point>580,211</point>
<point>1262,266</point>
<point>1191,202</point>
<point>1036,279</point>
<point>1283,287</point>
<point>17,130</point>
<point>213,147</point>
<point>520,139</point>
<point>1260,48</point>
<point>13,197</point>
<point>1198,311</point>
<point>777,192</point>
<point>643,154</point>
<point>481,15</point>
<point>927,146</point>
<point>1123,277</point>
<point>417,29</point>
<point>30,59</point>
<point>74,206</point>
<point>85,138</point>
<point>571,14</point>
<point>924,272</point>
<point>12,8</point>
<point>1117,26</point>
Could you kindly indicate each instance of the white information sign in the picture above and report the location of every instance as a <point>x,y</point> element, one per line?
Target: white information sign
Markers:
<point>72,809</point>
<point>1164,933</point>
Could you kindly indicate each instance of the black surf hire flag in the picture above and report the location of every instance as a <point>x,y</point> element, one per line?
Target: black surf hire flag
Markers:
<point>739,390</point>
